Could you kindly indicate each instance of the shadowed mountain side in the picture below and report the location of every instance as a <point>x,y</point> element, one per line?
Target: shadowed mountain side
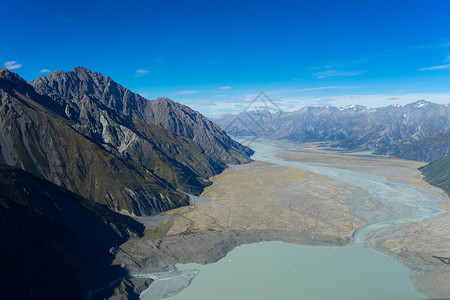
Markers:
<point>426,149</point>
<point>178,160</point>
<point>52,238</point>
<point>69,87</point>
<point>438,173</point>
<point>187,122</point>
<point>35,139</point>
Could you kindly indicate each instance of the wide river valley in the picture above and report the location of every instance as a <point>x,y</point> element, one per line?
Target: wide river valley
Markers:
<point>281,270</point>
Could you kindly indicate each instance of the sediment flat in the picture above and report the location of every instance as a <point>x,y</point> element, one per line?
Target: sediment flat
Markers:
<point>424,247</point>
<point>266,202</point>
<point>256,203</point>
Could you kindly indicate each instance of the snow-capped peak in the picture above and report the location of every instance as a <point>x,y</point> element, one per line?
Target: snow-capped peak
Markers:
<point>421,103</point>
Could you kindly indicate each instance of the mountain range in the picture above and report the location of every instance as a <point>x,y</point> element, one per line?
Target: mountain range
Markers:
<point>86,133</point>
<point>78,153</point>
<point>397,130</point>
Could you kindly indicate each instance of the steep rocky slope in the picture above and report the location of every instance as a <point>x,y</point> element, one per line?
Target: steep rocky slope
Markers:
<point>187,122</point>
<point>52,238</point>
<point>70,87</point>
<point>99,153</point>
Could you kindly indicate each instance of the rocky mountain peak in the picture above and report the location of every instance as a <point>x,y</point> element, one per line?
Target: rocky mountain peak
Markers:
<point>172,116</point>
<point>6,74</point>
<point>10,81</point>
<point>81,81</point>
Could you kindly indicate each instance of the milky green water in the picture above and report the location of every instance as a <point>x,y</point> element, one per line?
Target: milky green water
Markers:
<point>275,270</point>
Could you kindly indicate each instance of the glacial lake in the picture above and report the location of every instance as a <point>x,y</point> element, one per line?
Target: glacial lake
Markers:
<point>275,270</point>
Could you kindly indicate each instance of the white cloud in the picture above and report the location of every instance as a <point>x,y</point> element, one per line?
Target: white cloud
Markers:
<point>142,72</point>
<point>335,73</point>
<point>11,65</point>
<point>441,67</point>
<point>186,92</point>
<point>227,87</point>
<point>45,71</point>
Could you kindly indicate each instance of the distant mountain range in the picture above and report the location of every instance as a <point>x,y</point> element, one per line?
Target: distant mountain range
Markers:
<point>427,149</point>
<point>86,133</point>
<point>417,131</point>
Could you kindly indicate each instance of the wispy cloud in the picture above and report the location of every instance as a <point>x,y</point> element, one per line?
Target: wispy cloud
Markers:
<point>142,72</point>
<point>440,67</point>
<point>447,59</point>
<point>186,92</point>
<point>227,87</point>
<point>11,65</point>
<point>335,73</point>
<point>45,71</point>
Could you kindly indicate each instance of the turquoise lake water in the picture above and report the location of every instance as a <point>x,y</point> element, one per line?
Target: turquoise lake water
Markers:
<point>275,270</point>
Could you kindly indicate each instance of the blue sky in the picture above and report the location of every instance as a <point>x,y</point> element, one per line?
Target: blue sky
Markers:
<point>216,56</point>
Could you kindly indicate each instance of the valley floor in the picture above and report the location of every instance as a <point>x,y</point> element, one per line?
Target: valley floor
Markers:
<point>265,201</point>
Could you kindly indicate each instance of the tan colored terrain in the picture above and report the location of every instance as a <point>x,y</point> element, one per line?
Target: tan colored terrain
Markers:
<point>425,248</point>
<point>391,167</point>
<point>267,202</point>
<point>422,246</point>
<point>269,197</point>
